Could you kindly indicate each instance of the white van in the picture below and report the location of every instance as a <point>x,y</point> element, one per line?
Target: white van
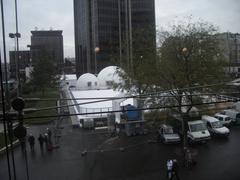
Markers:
<point>224,119</point>
<point>214,126</point>
<point>234,115</point>
<point>197,131</point>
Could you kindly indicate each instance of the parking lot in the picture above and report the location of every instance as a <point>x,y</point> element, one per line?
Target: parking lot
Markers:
<point>126,158</point>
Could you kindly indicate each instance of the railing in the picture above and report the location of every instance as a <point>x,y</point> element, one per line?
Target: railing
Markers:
<point>93,110</point>
<point>227,98</point>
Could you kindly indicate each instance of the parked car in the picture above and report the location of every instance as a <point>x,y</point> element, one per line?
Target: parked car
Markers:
<point>224,119</point>
<point>234,115</point>
<point>167,135</point>
<point>197,131</point>
<point>215,127</point>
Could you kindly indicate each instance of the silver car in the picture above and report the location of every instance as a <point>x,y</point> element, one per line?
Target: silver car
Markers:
<point>167,135</point>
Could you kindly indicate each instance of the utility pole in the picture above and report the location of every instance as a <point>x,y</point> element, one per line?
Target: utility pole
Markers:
<point>128,24</point>
<point>120,31</point>
<point>130,34</point>
<point>17,35</point>
<point>127,33</point>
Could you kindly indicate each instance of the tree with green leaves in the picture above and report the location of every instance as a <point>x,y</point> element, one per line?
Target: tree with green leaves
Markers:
<point>44,74</point>
<point>189,56</point>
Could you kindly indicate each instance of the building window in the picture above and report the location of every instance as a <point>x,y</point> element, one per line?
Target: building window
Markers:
<point>89,84</point>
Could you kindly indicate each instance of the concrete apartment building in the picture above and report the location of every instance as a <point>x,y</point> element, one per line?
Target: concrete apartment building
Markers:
<point>24,61</point>
<point>230,44</point>
<point>49,43</point>
<point>106,27</point>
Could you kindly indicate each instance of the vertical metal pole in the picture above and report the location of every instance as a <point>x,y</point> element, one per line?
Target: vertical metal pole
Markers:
<point>127,35</point>
<point>4,119</point>
<point>120,32</point>
<point>95,62</point>
<point>94,34</point>
<point>10,135</point>
<point>3,102</point>
<point>23,140</point>
<point>17,65</point>
<point>5,59</point>
<point>130,34</point>
<point>26,160</point>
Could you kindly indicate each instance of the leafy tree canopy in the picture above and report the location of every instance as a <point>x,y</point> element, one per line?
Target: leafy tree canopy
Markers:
<point>44,73</point>
<point>189,56</point>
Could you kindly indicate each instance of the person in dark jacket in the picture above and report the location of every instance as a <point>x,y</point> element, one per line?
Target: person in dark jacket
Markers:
<point>23,144</point>
<point>31,141</point>
<point>46,139</point>
<point>41,141</point>
<point>49,133</point>
<point>175,170</point>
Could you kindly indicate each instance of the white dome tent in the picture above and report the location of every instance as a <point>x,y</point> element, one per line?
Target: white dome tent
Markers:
<point>87,82</point>
<point>108,76</point>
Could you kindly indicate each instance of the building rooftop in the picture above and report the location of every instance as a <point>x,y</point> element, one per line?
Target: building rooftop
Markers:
<point>100,95</point>
<point>47,33</point>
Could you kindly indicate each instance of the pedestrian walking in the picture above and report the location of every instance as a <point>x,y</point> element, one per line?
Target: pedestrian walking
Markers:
<point>169,168</point>
<point>175,169</point>
<point>31,141</point>
<point>41,141</point>
<point>46,140</point>
<point>49,145</point>
<point>49,133</point>
<point>23,144</point>
<point>189,161</point>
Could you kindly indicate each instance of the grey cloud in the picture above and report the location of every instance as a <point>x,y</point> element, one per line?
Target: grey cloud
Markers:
<point>223,13</point>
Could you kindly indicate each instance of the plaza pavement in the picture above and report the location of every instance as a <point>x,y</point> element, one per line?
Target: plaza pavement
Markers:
<point>123,158</point>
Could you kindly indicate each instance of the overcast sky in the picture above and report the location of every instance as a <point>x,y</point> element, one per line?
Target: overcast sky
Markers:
<point>58,15</point>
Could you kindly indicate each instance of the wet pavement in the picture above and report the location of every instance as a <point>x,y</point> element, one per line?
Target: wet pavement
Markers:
<point>124,158</point>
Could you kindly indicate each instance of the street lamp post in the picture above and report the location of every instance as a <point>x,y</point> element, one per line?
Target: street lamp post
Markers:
<point>185,56</point>
<point>15,36</point>
<point>96,51</point>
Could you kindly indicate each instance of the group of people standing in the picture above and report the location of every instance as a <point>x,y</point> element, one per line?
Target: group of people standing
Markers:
<point>42,139</point>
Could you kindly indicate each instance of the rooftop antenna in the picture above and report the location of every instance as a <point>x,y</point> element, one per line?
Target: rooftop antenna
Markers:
<point>36,28</point>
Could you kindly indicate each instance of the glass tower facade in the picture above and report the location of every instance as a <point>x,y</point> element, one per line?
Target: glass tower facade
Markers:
<point>106,27</point>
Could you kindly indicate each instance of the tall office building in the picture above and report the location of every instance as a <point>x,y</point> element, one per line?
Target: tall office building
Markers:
<point>106,27</point>
<point>49,43</point>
